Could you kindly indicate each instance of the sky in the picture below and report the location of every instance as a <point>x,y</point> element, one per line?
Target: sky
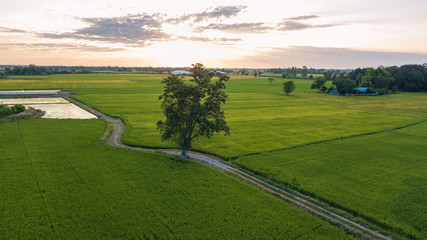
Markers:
<point>220,33</point>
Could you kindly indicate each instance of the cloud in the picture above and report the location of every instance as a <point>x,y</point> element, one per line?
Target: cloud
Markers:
<point>11,30</point>
<point>139,30</point>
<point>235,27</point>
<point>62,46</point>
<point>205,39</point>
<point>216,13</point>
<point>296,24</point>
<point>303,17</point>
<point>318,57</point>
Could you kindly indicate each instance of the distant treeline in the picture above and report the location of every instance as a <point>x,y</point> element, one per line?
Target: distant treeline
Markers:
<point>38,70</point>
<point>48,70</point>
<point>290,72</point>
<point>407,78</point>
<point>304,70</point>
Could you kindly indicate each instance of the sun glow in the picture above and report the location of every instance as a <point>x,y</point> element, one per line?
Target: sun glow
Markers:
<point>184,53</point>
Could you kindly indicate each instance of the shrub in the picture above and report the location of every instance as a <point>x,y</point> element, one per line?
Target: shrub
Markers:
<point>6,110</point>
<point>382,91</point>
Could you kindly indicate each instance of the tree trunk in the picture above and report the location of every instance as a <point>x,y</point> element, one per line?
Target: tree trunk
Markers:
<point>184,152</point>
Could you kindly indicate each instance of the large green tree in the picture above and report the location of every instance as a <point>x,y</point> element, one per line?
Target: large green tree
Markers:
<point>344,85</point>
<point>288,87</point>
<point>192,109</point>
<point>411,78</point>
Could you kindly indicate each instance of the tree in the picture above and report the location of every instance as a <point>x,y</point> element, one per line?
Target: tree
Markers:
<point>344,85</point>
<point>193,109</point>
<point>378,78</point>
<point>271,80</point>
<point>304,72</point>
<point>327,75</point>
<point>291,72</point>
<point>255,74</point>
<point>357,75</point>
<point>288,87</point>
<point>411,78</point>
<point>319,82</point>
<point>323,88</point>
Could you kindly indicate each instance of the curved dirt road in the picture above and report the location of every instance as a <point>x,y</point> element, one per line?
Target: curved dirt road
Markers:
<point>297,199</point>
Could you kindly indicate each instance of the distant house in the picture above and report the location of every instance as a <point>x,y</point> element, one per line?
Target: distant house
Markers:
<point>364,91</point>
<point>218,73</point>
<point>334,92</point>
<point>361,89</point>
<point>181,73</point>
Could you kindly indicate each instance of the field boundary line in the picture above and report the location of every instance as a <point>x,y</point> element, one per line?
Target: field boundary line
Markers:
<point>299,200</point>
<point>329,140</point>
<point>36,179</point>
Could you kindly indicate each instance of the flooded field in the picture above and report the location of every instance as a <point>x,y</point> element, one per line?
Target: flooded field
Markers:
<point>56,108</point>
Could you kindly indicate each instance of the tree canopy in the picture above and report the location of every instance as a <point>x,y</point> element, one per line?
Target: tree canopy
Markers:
<point>318,83</point>
<point>192,109</point>
<point>288,87</point>
<point>344,85</point>
<point>411,78</point>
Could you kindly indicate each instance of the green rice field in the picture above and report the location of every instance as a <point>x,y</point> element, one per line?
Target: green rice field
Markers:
<point>58,181</point>
<point>381,177</point>
<point>309,141</point>
<point>260,116</point>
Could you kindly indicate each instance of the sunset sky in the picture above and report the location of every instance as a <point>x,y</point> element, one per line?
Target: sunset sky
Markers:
<point>250,33</point>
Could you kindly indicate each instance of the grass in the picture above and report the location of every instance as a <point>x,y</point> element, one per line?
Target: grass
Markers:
<point>263,119</point>
<point>58,181</point>
<point>255,110</point>
<point>381,177</point>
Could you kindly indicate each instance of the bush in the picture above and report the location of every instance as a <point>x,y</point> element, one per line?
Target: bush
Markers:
<point>382,91</point>
<point>18,108</point>
<point>6,110</point>
<point>323,88</point>
<point>370,90</point>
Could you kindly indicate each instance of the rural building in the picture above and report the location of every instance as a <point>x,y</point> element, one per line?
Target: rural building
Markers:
<point>181,73</point>
<point>361,89</point>
<point>334,92</point>
<point>218,73</point>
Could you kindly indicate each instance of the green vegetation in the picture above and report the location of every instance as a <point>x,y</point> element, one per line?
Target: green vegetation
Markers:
<point>58,181</point>
<point>381,177</point>
<point>288,87</point>
<point>5,110</point>
<point>261,119</point>
<point>192,110</point>
<point>409,78</point>
<point>319,84</point>
<point>253,104</point>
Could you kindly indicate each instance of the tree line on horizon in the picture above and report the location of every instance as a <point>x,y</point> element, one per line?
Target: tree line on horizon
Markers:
<point>406,78</point>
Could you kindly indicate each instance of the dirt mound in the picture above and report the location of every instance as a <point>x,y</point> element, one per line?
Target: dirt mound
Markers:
<point>28,113</point>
